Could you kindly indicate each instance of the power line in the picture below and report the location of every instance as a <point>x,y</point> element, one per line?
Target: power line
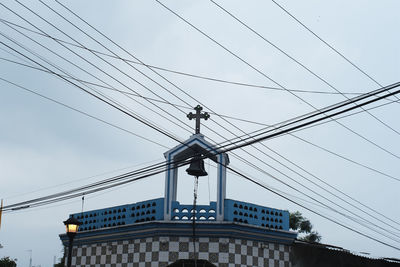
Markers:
<point>98,85</point>
<point>325,205</point>
<point>126,62</point>
<point>79,180</point>
<point>75,66</point>
<point>82,112</point>
<point>266,76</point>
<point>44,201</point>
<point>72,193</point>
<point>235,171</point>
<point>70,76</point>
<point>106,36</point>
<point>312,182</point>
<point>325,117</point>
<point>263,186</point>
<point>118,69</point>
<point>313,211</point>
<point>321,111</point>
<point>319,204</point>
<point>99,98</point>
<point>307,70</point>
<point>314,192</point>
<point>144,172</point>
<point>334,188</point>
<point>327,44</point>
<point>330,46</point>
<point>113,181</point>
<point>95,66</point>
<point>128,93</point>
<point>104,60</point>
<point>297,61</point>
<point>225,116</point>
<point>214,79</point>
<point>42,18</point>
<point>96,30</point>
<point>61,77</point>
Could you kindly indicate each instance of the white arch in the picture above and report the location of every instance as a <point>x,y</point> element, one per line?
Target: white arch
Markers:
<point>183,151</point>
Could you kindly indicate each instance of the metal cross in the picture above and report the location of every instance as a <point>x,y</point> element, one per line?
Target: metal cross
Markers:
<point>198,116</point>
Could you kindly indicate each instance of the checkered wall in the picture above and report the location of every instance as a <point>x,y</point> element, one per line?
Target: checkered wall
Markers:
<point>161,251</point>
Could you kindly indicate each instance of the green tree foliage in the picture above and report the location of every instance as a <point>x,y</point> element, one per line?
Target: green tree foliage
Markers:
<point>7,262</point>
<point>298,223</point>
<point>61,263</point>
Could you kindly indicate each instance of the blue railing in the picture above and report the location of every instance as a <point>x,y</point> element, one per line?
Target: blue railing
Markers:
<point>243,212</point>
<point>153,210</point>
<point>144,211</point>
<point>185,212</point>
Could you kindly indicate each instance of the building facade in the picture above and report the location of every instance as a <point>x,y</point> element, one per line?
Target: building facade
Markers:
<point>160,232</point>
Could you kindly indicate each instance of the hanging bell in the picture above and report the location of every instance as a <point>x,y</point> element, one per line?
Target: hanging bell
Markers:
<point>196,167</point>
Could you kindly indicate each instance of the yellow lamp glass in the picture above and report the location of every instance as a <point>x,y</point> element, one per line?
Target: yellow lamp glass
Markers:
<point>72,228</point>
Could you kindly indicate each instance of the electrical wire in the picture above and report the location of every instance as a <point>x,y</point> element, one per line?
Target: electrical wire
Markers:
<point>325,117</point>
<point>94,65</point>
<point>67,106</point>
<point>118,69</point>
<point>70,63</point>
<point>242,175</point>
<point>298,62</point>
<point>352,107</point>
<point>364,222</point>
<point>99,98</point>
<point>101,34</point>
<point>313,211</point>
<point>80,179</point>
<point>128,93</point>
<point>320,112</point>
<point>229,117</point>
<point>43,202</point>
<point>327,44</point>
<point>69,75</point>
<point>63,198</point>
<point>266,76</point>
<point>83,113</point>
<point>35,14</point>
<point>85,22</point>
<point>176,71</point>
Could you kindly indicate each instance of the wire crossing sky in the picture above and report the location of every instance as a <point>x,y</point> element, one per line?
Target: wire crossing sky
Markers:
<point>252,66</point>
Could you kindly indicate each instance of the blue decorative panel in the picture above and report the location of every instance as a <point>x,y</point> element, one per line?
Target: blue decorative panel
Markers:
<point>144,211</point>
<point>153,210</point>
<point>238,211</point>
<point>185,212</point>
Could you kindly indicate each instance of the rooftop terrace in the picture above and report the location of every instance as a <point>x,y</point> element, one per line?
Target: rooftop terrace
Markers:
<point>152,210</point>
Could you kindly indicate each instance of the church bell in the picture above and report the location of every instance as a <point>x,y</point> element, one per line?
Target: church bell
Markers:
<point>196,167</point>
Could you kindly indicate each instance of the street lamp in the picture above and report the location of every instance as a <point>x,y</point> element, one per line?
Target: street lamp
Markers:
<point>72,226</point>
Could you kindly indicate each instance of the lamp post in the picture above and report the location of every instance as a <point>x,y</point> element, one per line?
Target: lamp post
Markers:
<point>72,225</point>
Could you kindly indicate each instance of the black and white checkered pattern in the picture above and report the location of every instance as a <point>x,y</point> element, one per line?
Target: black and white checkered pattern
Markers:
<point>161,251</point>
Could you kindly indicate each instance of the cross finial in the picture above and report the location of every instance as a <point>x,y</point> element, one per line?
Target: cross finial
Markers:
<point>198,116</point>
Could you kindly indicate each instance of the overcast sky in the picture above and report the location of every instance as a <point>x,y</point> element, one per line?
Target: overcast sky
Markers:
<point>46,148</point>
